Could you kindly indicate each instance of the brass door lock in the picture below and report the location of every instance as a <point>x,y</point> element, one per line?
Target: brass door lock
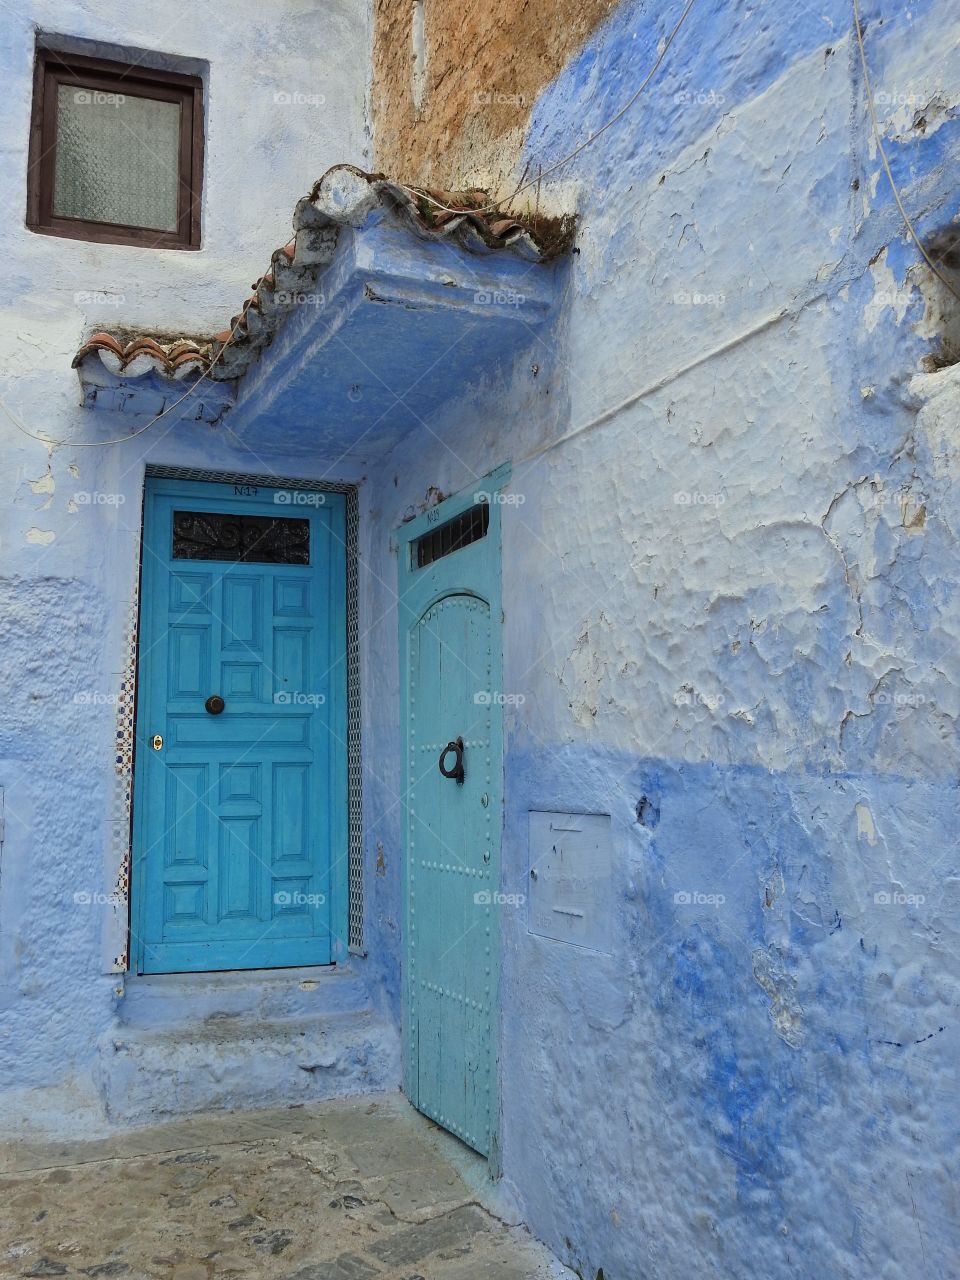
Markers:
<point>157,742</point>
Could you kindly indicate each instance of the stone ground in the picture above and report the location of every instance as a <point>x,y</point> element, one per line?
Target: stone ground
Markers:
<point>360,1190</point>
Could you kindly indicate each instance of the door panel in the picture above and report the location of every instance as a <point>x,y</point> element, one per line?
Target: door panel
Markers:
<point>240,820</point>
<point>450,668</point>
<point>449,881</point>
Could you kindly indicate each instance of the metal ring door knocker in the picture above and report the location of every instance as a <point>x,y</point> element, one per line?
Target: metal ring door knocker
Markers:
<point>214,704</point>
<point>457,771</point>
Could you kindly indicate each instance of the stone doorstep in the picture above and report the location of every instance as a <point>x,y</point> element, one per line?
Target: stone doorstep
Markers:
<point>171,1000</point>
<point>234,1064</point>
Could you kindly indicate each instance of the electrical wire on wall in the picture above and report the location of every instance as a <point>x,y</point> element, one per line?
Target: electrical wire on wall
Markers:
<point>96,444</point>
<point>614,411</point>
<point>608,124</point>
<point>878,137</point>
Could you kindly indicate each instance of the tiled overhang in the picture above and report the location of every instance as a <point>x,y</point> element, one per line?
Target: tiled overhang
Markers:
<point>146,376</point>
<point>376,312</point>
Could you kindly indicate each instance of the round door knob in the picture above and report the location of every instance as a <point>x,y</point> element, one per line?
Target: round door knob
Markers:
<point>214,704</point>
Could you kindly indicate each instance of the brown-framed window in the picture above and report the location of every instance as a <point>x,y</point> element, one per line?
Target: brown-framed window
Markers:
<point>116,153</point>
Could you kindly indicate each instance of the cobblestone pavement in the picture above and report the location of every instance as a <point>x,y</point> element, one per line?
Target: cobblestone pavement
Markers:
<point>358,1190</point>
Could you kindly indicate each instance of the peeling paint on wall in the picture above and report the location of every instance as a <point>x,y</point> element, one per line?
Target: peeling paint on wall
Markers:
<point>785,1012</point>
<point>757,494</point>
<point>40,537</point>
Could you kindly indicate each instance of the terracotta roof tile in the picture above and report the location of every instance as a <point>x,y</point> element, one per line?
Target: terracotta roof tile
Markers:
<point>143,354</point>
<point>99,342</point>
<point>344,196</point>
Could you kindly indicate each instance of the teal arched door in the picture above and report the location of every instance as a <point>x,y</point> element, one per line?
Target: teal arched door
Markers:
<point>450,654</point>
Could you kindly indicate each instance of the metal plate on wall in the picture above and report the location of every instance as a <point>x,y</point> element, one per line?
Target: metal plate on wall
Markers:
<point>569,883</point>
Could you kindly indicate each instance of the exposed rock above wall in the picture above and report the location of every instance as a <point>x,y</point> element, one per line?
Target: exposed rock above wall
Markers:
<point>476,72</point>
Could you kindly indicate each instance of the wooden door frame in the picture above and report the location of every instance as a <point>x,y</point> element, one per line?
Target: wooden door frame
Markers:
<point>419,589</point>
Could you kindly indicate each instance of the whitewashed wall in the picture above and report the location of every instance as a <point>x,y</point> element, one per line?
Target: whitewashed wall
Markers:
<point>285,89</point>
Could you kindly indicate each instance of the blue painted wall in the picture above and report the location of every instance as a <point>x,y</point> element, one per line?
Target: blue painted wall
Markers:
<point>731,624</point>
<point>730,611</point>
<point>69,550</point>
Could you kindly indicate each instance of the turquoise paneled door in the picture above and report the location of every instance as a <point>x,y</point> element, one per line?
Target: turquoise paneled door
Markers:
<point>240,828</point>
<point>450,664</point>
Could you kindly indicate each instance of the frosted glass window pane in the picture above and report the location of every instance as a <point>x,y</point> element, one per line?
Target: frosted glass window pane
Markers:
<point>118,158</point>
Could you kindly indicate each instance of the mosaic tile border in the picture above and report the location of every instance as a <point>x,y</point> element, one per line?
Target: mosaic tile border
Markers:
<point>120,822</point>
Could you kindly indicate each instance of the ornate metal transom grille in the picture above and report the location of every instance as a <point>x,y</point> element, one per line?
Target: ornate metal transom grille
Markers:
<point>457,533</point>
<point>206,535</point>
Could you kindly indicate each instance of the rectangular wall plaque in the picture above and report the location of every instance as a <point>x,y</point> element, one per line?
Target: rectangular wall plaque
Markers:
<point>570,894</point>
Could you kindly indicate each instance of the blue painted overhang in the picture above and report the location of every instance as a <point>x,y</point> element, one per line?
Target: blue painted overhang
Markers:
<point>367,322</point>
<point>403,323</point>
